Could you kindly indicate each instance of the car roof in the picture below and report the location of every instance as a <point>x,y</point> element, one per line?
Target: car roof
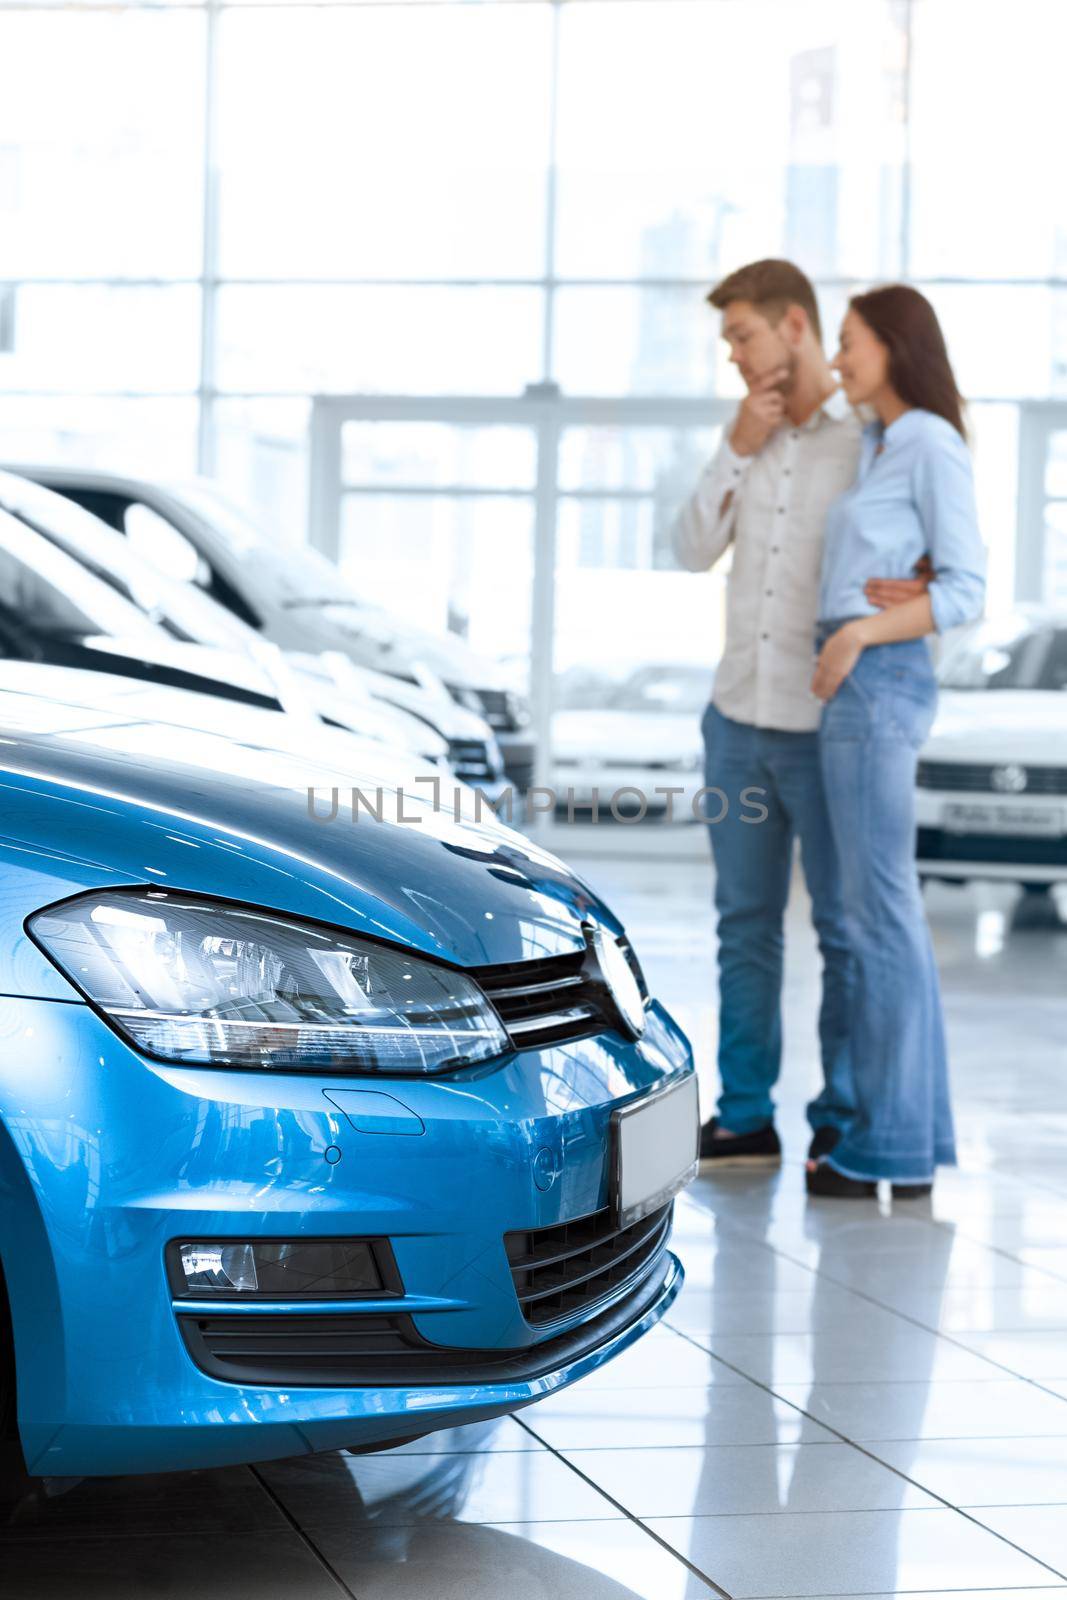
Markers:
<point>98,477</point>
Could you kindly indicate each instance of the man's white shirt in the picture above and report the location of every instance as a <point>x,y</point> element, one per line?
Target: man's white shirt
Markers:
<point>772,508</point>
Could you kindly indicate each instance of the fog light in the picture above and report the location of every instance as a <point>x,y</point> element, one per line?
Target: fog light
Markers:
<point>220,1266</point>
<point>286,1269</point>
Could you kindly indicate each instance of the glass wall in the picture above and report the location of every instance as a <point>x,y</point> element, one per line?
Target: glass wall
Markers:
<point>102,163</point>
<point>210,212</point>
<point>437,523</point>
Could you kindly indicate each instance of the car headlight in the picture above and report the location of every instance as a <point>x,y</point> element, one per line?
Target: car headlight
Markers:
<point>519,710</point>
<point>189,980</point>
<point>470,699</point>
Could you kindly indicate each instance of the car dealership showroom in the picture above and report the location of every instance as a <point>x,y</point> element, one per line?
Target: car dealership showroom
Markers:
<point>533,862</point>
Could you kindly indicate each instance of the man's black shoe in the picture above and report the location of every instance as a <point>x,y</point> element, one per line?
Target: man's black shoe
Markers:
<point>823,1141</point>
<point>758,1149</point>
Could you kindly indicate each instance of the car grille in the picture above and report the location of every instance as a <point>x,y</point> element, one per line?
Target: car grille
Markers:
<point>552,1000</point>
<point>322,1350</point>
<point>275,1346</point>
<point>559,1270</point>
<point>497,711</point>
<point>469,759</point>
<point>977,777</point>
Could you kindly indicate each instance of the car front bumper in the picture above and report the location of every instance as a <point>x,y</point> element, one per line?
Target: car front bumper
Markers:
<point>519,754</point>
<point>1033,849</point>
<point>106,1158</point>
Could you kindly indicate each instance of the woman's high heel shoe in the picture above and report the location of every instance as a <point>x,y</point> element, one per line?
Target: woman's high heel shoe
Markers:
<point>825,1180</point>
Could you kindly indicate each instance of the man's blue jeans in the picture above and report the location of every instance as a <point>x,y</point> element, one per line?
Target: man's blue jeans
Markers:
<point>753,867</point>
<point>869,741</point>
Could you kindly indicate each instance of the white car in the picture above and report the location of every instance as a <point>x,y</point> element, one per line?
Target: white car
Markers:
<point>419,718</point>
<point>629,738</point>
<point>992,781</point>
<point>295,598</point>
<point>67,635</point>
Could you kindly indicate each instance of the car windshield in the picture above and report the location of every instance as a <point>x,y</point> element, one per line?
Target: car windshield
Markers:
<point>300,576</point>
<point>44,589</point>
<point>1011,653</point>
<point>229,522</point>
<point>178,608</point>
<point>679,690</point>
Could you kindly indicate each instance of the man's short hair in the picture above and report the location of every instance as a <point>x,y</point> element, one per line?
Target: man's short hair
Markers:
<point>772,287</point>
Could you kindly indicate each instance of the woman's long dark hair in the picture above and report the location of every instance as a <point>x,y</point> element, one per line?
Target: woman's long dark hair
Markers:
<point>919,367</point>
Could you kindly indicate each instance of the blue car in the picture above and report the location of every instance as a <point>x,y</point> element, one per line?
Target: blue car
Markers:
<point>314,1133</point>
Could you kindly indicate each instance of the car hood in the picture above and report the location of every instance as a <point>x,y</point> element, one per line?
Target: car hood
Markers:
<point>224,671</point>
<point>369,718</point>
<point>626,737</point>
<point>435,710</point>
<point>224,668</point>
<point>381,641</point>
<point>37,696</point>
<point>1000,725</point>
<point>86,807</point>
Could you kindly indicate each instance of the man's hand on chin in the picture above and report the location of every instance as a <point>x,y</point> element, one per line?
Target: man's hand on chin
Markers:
<point>886,592</point>
<point>760,413</point>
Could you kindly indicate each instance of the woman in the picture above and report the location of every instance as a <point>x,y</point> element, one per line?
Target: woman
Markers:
<point>914,496</point>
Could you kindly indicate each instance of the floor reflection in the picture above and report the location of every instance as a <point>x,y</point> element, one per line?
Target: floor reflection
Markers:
<point>473,1514</point>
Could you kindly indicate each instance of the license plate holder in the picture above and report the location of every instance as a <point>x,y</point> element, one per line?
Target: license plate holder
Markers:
<point>1028,822</point>
<point>655,1143</point>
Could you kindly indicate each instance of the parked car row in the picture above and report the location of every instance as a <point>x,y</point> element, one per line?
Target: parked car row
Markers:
<point>179,620</point>
<point>316,1130</point>
<point>288,626</point>
<point>299,601</point>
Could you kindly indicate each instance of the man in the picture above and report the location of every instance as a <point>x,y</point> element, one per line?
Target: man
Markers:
<point>792,449</point>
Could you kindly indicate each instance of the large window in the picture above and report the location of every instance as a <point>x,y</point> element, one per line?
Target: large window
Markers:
<point>988,197</point>
<point>690,136</point>
<point>102,163</point>
<point>211,212</point>
<point>384,142</point>
<point>101,143</point>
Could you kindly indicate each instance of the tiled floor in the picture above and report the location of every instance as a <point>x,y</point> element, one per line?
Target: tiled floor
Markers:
<point>846,1400</point>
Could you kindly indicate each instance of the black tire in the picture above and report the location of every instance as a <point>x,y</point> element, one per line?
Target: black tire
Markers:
<point>1036,888</point>
<point>8,1428</point>
<point>15,1486</point>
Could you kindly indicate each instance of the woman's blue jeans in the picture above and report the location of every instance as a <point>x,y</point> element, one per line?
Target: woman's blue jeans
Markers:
<point>868,742</point>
